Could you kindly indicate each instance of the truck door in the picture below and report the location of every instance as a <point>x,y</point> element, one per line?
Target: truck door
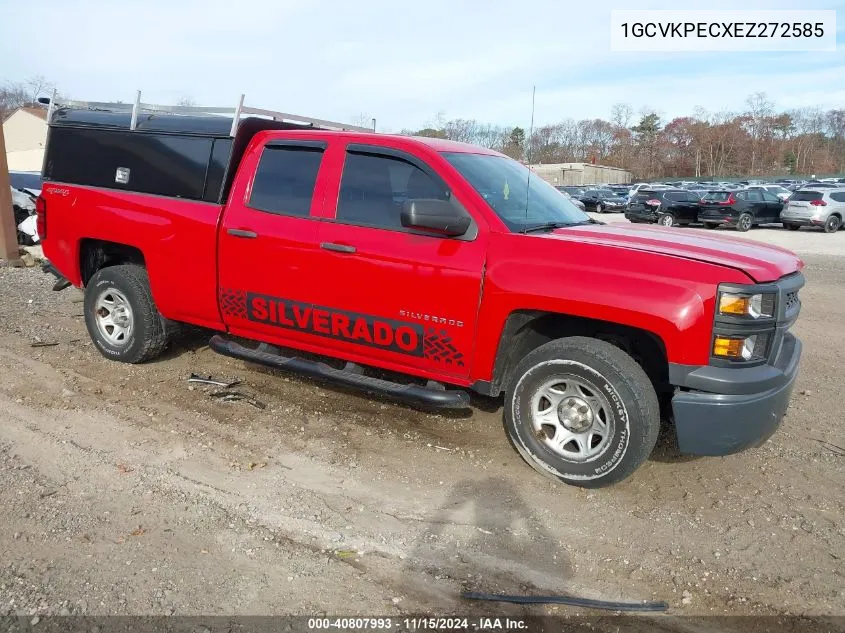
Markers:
<point>268,241</point>
<point>396,295</point>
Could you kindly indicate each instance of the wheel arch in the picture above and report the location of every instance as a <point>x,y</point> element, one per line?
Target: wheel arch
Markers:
<point>96,254</point>
<point>526,330</point>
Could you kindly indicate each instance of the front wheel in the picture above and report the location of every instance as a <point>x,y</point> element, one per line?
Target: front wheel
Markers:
<point>121,317</point>
<point>744,223</point>
<point>582,411</point>
<point>832,225</point>
<point>599,208</point>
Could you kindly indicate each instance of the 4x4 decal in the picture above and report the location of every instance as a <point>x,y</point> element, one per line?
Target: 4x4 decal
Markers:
<point>397,336</point>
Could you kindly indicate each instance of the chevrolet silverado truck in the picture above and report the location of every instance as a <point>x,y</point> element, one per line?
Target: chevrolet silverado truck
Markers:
<point>442,267</point>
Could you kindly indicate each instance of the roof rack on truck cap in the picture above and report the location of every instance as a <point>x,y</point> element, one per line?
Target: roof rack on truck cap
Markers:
<point>137,109</point>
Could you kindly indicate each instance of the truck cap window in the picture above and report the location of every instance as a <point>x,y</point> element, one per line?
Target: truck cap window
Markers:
<point>503,183</point>
<point>284,181</point>
<point>374,187</point>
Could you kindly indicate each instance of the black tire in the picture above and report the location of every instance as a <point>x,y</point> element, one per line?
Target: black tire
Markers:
<point>832,224</point>
<point>148,335</point>
<point>666,219</point>
<point>599,208</point>
<point>632,419</point>
<point>792,227</point>
<point>745,222</point>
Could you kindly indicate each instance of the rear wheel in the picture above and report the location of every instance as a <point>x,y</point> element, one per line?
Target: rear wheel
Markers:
<point>792,227</point>
<point>667,219</point>
<point>582,411</point>
<point>121,317</point>
<point>744,223</point>
<point>832,225</point>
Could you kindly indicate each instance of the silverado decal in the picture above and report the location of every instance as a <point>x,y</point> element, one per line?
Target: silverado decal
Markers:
<point>397,336</point>
<point>438,346</point>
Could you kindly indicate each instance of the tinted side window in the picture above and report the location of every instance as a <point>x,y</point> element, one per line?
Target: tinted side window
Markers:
<point>374,187</point>
<point>838,196</point>
<point>753,196</point>
<point>770,197</point>
<point>284,181</point>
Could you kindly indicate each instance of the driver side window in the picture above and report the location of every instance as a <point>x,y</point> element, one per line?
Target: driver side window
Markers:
<point>374,187</point>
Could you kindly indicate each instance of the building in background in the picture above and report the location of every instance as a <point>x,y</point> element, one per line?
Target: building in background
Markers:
<point>26,135</point>
<point>581,174</point>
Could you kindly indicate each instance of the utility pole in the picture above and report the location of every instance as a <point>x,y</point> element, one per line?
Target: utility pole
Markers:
<point>8,231</point>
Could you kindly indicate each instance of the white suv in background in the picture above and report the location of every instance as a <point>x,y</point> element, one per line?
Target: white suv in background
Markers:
<point>815,207</point>
<point>781,192</point>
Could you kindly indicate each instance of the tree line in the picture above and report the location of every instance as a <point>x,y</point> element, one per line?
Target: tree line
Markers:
<point>760,141</point>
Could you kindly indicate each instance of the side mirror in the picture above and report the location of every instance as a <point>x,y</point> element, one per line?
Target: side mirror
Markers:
<point>436,216</point>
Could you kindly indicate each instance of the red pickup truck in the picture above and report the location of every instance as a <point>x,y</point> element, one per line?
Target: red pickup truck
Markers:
<point>450,264</point>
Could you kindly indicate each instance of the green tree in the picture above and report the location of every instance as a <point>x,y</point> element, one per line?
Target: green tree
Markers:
<point>647,135</point>
<point>515,144</point>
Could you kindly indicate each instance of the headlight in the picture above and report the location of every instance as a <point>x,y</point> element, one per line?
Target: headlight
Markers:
<point>756,306</point>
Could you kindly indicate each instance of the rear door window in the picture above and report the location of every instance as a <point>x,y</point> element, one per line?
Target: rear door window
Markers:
<point>751,196</point>
<point>285,178</point>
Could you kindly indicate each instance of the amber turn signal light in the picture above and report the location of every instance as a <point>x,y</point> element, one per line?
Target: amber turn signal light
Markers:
<point>725,347</point>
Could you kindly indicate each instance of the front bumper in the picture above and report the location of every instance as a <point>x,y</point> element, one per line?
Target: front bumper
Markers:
<point>745,411</point>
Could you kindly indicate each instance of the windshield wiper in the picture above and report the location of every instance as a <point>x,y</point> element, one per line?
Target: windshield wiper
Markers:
<point>550,226</point>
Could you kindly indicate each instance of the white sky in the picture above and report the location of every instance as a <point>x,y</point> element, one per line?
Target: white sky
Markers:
<point>398,61</point>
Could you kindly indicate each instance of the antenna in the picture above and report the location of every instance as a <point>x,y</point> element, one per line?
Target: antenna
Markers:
<point>528,156</point>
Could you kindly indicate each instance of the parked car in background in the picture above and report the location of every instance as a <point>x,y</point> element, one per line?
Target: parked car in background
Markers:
<point>821,207</point>
<point>777,190</point>
<point>819,185</point>
<point>28,181</point>
<point>667,207</point>
<point>643,185</point>
<point>575,192</point>
<point>601,200</point>
<point>574,201</point>
<point>740,209</point>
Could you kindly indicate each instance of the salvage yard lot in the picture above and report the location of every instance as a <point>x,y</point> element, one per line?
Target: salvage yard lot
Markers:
<point>127,490</point>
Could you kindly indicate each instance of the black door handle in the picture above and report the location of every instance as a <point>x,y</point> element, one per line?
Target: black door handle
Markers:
<point>242,233</point>
<point>338,248</point>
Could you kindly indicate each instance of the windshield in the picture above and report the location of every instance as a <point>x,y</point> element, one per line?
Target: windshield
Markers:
<point>503,183</point>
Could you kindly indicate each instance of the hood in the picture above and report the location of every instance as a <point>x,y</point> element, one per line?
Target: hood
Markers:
<point>761,262</point>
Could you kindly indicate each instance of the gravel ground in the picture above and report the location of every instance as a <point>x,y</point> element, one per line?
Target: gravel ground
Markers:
<point>125,490</point>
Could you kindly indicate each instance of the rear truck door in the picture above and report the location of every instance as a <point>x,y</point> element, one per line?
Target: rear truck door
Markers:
<point>773,206</point>
<point>389,293</point>
<point>690,207</point>
<point>268,241</point>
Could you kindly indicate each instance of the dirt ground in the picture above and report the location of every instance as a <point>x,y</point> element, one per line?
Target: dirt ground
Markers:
<point>127,490</point>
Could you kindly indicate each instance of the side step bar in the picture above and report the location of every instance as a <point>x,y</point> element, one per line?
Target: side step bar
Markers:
<point>429,396</point>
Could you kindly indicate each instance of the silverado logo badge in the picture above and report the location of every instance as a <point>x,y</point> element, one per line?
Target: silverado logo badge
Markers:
<point>403,337</point>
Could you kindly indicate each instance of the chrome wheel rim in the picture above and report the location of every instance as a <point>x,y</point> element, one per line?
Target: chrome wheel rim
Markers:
<point>114,317</point>
<point>745,223</point>
<point>666,220</point>
<point>572,418</point>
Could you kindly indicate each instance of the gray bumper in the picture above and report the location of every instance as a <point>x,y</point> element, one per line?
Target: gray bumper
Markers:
<point>710,423</point>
